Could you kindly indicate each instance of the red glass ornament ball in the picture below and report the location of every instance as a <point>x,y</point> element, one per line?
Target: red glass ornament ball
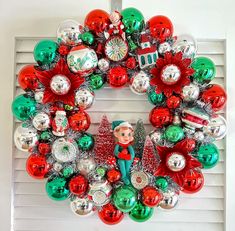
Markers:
<point>97,21</point>
<point>79,121</point>
<point>63,49</point>
<point>37,166</point>
<point>173,102</point>
<point>150,196</point>
<point>189,144</point>
<point>160,27</point>
<point>78,185</point>
<point>27,78</point>
<point>110,215</point>
<point>44,148</point>
<point>193,181</point>
<point>216,96</point>
<point>113,175</point>
<point>160,116</point>
<point>117,77</point>
<point>131,63</point>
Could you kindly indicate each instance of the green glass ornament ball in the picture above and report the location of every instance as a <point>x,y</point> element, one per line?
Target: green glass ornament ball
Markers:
<point>96,81</point>
<point>45,52</point>
<point>208,155</point>
<point>141,213</point>
<point>154,98</point>
<point>46,136</point>
<point>57,188</point>
<point>68,171</point>
<point>161,183</point>
<point>88,38</point>
<point>174,133</point>
<point>23,107</point>
<point>86,142</point>
<point>204,70</point>
<point>125,198</point>
<point>101,171</point>
<point>132,19</point>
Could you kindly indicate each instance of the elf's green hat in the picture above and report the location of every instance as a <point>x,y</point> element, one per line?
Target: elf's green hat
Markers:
<point>120,123</point>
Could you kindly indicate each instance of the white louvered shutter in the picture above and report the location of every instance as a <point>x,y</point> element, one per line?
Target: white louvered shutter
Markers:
<point>33,210</point>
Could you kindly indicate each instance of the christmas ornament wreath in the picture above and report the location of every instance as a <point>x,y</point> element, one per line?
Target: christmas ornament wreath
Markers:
<point>120,169</point>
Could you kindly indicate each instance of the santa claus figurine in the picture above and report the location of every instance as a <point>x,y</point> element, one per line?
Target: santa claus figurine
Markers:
<point>116,27</point>
<point>124,151</point>
<point>60,123</point>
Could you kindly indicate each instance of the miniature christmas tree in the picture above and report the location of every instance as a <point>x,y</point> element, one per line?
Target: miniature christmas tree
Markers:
<point>105,143</point>
<point>150,160</point>
<point>139,138</point>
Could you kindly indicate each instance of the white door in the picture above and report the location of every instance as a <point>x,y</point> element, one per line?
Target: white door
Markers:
<point>22,23</point>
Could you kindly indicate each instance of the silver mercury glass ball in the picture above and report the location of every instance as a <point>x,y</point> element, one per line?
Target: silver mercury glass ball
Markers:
<point>140,83</point>
<point>170,74</point>
<point>68,32</point>
<point>60,84</point>
<point>84,98</point>
<point>25,137</point>
<point>41,121</point>
<point>199,136</point>
<point>216,128</point>
<point>185,44</point>
<point>170,199</point>
<point>86,165</point>
<point>82,206</point>
<point>57,166</point>
<point>176,162</point>
<point>38,96</point>
<point>156,136</point>
<point>103,64</point>
<point>164,47</point>
<point>64,150</point>
<point>190,92</point>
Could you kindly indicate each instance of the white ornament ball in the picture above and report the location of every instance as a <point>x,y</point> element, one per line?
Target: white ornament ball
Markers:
<point>82,207</point>
<point>64,150</point>
<point>170,199</point>
<point>103,64</point>
<point>82,60</point>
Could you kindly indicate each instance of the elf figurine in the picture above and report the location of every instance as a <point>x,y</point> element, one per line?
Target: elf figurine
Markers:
<point>116,26</point>
<point>124,151</point>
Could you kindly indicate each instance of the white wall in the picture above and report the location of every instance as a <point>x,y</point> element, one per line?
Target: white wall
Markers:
<point>204,19</point>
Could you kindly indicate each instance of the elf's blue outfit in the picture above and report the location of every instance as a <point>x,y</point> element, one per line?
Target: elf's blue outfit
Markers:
<point>125,154</point>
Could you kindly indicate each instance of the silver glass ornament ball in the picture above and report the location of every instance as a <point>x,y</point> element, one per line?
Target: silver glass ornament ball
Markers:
<point>190,92</point>
<point>64,150</point>
<point>86,165</point>
<point>176,162</point>
<point>170,199</point>
<point>60,84</point>
<point>25,137</point>
<point>103,64</point>
<point>199,136</point>
<point>216,128</point>
<point>41,121</point>
<point>140,83</point>
<point>38,96</point>
<point>84,98</point>
<point>82,206</point>
<point>68,32</point>
<point>156,136</point>
<point>164,47</point>
<point>185,44</point>
<point>170,74</point>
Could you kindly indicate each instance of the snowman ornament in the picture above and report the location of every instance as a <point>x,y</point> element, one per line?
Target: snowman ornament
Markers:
<point>60,123</point>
